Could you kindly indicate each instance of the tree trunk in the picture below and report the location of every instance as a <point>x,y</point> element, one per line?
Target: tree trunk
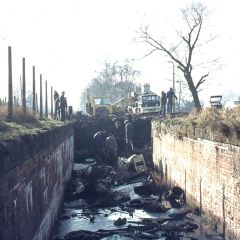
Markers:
<point>196,100</point>
<point>194,92</point>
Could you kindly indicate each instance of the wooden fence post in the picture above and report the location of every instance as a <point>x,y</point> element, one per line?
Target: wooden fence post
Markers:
<point>41,103</point>
<point>24,88</point>
<point>51,101</point>
<point>46,100</point>
<point>37,110</point>
<point>34,94</point>
<point>10,91</point>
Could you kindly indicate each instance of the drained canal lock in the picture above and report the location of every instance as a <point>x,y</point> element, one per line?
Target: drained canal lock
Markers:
<point>126,198</point>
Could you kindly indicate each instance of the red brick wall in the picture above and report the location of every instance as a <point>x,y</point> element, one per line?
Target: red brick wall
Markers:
<point>208,171</point>
<point>32,189</point>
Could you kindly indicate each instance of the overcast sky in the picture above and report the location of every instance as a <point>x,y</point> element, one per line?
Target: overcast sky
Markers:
<point>68,41</point>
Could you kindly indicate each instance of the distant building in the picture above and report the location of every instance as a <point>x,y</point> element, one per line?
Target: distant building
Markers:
<point>146,89</point>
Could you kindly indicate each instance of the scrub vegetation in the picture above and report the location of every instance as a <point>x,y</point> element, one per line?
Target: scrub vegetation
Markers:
<point>214,117</point>
<point>225,122</point>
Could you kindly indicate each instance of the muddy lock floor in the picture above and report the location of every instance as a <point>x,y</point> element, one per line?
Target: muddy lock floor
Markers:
<point>103,202</point>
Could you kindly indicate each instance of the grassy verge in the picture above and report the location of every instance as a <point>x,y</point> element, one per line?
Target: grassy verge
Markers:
<point>22,125</point>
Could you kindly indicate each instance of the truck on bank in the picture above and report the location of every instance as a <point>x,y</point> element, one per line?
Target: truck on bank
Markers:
<point>146,103</point>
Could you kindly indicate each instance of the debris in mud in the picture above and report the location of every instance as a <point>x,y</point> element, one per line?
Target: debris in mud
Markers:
<point>120,222</point>
<point>178,214</point>
<point>79,188</point>
<point>176,197</point>
<point>155,207</point>
<point>147,188</point>
<point>121,197</point>
<point>92,219</point>
<point>138,162</point>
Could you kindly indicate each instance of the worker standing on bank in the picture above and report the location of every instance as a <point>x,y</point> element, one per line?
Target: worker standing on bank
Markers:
<point>56,105</point>
<point>170,98</point>
<point>163,103</point>
<point>63,106</point>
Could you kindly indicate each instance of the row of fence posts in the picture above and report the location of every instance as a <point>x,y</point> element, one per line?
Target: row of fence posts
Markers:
<point>12,99</point>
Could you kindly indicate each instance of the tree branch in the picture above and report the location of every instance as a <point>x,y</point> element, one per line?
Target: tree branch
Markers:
<point>159,46</point>
<point>148,54</point>
<point>202,80</point>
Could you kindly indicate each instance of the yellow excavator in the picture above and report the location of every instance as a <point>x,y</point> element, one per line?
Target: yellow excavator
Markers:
<point>102,106</point>
<point>99,106</point>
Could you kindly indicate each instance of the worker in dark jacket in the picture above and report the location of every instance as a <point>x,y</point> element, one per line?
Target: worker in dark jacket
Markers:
<point>119,133</point>
<point>170,99</point>
<point>63,106</point>
<point>111,150</point>
<point>57,105</point>
<point>129,134</point>
<point>163,103</point>
<point>99,144</point>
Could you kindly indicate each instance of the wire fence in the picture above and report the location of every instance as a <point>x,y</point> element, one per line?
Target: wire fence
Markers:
<point>26,103</point>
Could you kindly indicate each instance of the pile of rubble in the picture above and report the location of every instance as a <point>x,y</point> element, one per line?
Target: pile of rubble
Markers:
<point>124,202</point>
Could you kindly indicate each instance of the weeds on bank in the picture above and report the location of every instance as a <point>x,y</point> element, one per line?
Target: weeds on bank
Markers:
<point>22,124</point>
<point>214,117</point>
<point>223,121</point>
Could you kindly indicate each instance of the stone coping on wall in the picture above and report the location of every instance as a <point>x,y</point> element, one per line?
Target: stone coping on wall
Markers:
<point>15,151</point>
<point>228,135</point>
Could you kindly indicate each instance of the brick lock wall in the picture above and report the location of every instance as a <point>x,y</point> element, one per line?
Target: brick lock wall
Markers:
<point>32,186</point>
<point>208,171</point>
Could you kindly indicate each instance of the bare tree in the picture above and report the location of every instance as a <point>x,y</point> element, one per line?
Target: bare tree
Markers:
<point>115,79</point>
<point>127,78</point>
<point>182,52</point>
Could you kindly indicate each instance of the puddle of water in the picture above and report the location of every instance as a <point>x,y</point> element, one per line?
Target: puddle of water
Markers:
<point>104,219</point>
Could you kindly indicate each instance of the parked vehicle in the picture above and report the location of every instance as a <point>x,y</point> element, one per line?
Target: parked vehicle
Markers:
<point>104,106</point>
<point>215,101</point>
<point>99,106</point>
<point>147,103</point>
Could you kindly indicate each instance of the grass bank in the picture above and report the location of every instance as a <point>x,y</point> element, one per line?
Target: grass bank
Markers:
<point>210,117</point>
<point>223,124</point>
<point>22,125</point>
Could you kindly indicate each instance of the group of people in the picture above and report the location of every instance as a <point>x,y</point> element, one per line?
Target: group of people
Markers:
<point>60,106</point>
<point>167,99</point>
<point>108,145</point>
